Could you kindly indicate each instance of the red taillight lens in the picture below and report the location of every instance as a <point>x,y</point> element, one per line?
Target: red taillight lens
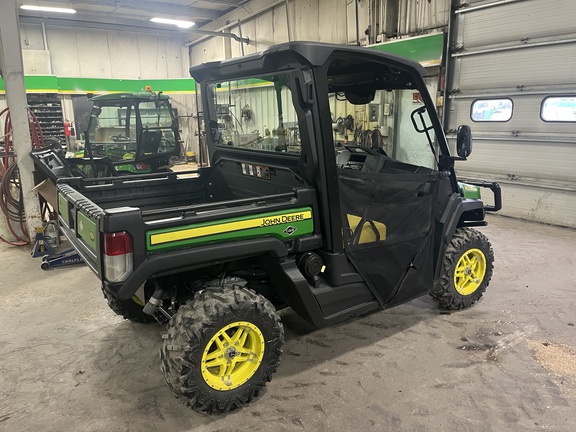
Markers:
<point>119,243</point>
<point>118,263</point>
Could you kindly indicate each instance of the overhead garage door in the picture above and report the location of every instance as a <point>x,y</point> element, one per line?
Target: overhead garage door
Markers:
<point>512,77</point>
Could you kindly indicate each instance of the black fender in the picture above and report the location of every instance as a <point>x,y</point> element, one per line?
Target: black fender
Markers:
<point>189,259</point>
<point>459,212</point>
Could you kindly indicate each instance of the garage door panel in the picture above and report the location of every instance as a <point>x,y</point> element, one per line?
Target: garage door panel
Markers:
<point>524,50</point>
<point>525,118</point>
<point>530,66</point>
<point>523,159</point>
<point>537,204</point>
<point>520,20</point>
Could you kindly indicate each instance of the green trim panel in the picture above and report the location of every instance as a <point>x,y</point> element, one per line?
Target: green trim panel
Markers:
<point>470,191</point>
<point>284,225</point>
<point>426,49</point>
<point>70,85</point>
<point>86,228</point>
<point>63,208</point>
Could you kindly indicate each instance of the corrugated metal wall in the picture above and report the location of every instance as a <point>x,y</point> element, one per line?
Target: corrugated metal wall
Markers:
<point>524,50</point>
<point>326,21</point>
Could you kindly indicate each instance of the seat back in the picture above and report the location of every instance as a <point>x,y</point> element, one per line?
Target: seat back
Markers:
<point>150,141</point>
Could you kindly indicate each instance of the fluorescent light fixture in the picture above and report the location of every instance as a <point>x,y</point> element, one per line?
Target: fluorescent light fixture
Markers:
<point>48,9</point>
<point>178,23</point>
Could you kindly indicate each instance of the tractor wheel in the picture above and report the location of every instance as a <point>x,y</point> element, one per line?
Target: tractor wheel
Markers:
<point>132,310</point>
<point>466,270</point>
<point>221,349</point>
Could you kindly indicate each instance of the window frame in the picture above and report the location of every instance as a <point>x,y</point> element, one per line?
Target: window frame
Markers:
<point>491,99</point>
<point>573,95</point>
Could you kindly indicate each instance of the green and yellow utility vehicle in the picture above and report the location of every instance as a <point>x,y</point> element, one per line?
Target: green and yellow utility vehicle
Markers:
<point>292,212</point>
<point>128,133</point>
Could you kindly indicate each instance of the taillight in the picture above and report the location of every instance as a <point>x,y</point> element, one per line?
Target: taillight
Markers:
<point>117,256</point>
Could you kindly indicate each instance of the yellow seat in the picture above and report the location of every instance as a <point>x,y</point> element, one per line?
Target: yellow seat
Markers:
<point>371,230</point>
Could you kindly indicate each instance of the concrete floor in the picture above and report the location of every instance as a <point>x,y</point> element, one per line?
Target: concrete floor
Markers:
<point>67,363</point>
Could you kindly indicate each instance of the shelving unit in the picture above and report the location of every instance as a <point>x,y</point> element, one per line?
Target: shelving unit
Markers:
<point>48,111</point>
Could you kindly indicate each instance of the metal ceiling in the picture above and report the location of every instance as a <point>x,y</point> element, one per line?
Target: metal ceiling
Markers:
<point>132,15</point>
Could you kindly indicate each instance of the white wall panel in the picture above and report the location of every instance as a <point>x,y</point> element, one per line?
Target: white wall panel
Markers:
<point>263,31</point>
<point>36,62</point>
<point>89,53</point>
<point>332,23</point>
<point>414,16</point>
<point>93,53</point>
<point>124,55</point>
<point>31,37</point>
<point>306,20</point>
<point>63,52</point>
<point>280,25</point>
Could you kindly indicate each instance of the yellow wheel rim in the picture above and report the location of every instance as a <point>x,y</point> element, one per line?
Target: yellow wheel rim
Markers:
<point>469,272</point>
<point>232,356</point>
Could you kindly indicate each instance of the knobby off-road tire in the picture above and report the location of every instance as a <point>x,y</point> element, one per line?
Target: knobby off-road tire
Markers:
<point>466,270</point>
<point>221,349</point>
<point>129,309</point>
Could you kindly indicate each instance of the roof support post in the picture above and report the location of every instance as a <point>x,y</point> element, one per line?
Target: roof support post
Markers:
<point>13,75</point>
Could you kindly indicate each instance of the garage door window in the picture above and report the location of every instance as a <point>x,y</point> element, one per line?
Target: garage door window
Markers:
<point>491,110</point>
<point>558,109</point>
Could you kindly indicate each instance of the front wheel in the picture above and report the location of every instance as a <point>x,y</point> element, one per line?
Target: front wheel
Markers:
<point>222,348</point>
<point>466,270</point>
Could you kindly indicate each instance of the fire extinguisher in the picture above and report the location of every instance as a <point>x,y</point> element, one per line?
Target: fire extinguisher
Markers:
<point>68,130</point>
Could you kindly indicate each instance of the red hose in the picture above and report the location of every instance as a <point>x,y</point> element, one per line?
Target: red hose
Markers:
<point>9,177</point>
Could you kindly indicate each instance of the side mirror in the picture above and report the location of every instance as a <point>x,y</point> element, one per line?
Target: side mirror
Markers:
<point>464,141</point>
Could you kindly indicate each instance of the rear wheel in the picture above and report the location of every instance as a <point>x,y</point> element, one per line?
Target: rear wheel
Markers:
<point>466,270</point>
<point>222,348</point>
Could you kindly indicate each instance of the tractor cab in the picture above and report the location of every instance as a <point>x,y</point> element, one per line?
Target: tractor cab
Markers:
<point>132,132</point>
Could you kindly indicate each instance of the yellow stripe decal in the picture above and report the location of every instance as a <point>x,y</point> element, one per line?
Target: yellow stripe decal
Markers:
<point>191,233</point>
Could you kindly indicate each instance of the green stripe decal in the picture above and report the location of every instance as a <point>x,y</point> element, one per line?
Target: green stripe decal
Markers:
<point>284,225</point>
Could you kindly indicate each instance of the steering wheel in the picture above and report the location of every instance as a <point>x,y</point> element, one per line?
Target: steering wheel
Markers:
<point>119,138</point>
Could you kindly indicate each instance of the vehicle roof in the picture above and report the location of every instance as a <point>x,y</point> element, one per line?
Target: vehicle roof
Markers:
<point>145,95</point>
<point>306,53</point>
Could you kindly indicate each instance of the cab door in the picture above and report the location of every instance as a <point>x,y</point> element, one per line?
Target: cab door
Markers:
<point>388,227</point>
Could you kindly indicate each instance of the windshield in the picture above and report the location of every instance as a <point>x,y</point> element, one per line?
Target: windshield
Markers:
<point>386,123</point>
<point>253,114</point>
<point>121,130</point>
<point>376,106</point>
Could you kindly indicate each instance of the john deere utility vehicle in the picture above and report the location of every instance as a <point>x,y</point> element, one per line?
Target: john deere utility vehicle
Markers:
<point>290,214</point>
<point>128,133</point>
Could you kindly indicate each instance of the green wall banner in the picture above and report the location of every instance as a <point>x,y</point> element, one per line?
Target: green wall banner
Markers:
<point>63,85</point>
<point>425,49</point>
